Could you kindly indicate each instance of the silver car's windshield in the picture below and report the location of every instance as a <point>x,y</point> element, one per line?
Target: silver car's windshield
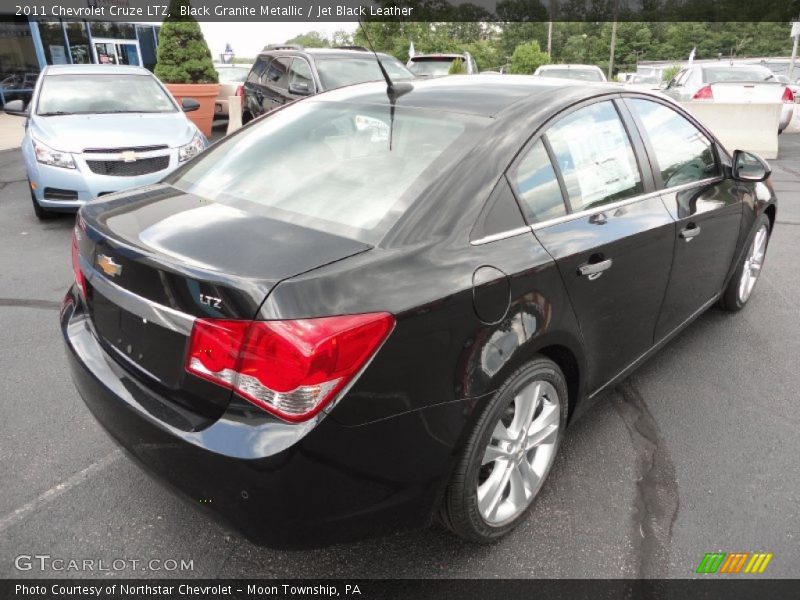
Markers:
<point>100,93</point>
<point>347,169</point>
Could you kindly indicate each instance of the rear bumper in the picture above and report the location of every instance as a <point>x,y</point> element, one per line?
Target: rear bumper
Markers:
<point>282,485</point>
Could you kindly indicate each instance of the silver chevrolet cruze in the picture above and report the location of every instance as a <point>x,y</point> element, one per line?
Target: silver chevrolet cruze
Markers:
<point>96,129</point>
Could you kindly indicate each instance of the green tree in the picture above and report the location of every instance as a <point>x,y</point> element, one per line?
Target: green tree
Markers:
<point>183,55</point>
<point>527,58</point>
<point>312,39</point>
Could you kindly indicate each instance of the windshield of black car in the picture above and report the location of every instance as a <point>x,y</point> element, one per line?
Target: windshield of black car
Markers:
<point>102,93</point>
<point>338,72</point>
<point>582,74</point>
<point>431,66</point>
<point>233,74</point>
<point>723,74</point>
<point>342,168</point>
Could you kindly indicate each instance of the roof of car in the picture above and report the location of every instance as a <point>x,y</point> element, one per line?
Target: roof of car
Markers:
<point>438,55</point>
<point>318,52</point>
<point>96,69</point>
<point>484,95</point>
<point>569,66</point>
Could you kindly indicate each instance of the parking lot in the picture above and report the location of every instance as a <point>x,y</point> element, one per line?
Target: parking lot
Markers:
<point>696,452</point>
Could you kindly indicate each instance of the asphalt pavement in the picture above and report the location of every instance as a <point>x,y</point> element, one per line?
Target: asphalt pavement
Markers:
<point>694,453</point>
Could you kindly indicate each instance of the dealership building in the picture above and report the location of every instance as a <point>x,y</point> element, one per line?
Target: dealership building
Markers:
<point>27,45</point>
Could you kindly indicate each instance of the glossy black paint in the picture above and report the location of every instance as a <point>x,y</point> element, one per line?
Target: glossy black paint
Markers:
<point>475,291</point>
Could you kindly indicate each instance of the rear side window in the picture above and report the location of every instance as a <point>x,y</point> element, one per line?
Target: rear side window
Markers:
<point>536,186</point>
<point>595,157</point>
<point>683,153</point>
<point>256,71</point>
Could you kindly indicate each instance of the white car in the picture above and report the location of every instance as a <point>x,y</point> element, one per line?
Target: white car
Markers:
<point>732,83</point>
<point>581,72</point>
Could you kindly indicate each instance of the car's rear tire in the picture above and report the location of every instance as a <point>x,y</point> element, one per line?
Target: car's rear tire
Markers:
<point>41,213</point>
<point>740,287</point>
<point>508,455</point>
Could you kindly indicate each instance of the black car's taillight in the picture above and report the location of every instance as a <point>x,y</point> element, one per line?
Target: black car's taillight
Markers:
<point>292,369</point>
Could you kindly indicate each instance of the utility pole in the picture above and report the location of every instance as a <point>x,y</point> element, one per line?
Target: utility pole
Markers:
<point>550,40</point>
<point>796,36</point>
<point>613,39</point>
<point>613,45</point>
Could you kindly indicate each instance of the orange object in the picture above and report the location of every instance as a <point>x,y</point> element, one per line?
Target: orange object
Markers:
<point>205,94</point>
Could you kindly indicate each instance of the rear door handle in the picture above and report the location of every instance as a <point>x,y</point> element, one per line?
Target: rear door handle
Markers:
<point>690,232</point>
<point>593,270</point>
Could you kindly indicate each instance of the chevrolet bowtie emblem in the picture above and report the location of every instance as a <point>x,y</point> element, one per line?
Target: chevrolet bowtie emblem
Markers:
<point>109,267</point>
<point>128,156</point>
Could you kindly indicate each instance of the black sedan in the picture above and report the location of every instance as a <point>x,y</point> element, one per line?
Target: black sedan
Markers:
<point>370,310</point>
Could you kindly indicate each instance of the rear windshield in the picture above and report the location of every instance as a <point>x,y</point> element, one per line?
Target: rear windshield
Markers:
<point>233,74</point>
<point>341,168</point>
<point>582,74</point>
<point>722,74</point>
<point>338,72</point>
<point>99,93</point>
<point>431,67</point>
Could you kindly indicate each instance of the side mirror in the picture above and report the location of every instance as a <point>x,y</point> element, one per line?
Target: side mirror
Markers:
<point>299,89</point>
<point>749,167</point>
<point>16,108</point>
<point>189,104</point>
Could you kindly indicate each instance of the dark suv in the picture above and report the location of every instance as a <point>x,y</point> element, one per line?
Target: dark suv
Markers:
<point>286,73</point>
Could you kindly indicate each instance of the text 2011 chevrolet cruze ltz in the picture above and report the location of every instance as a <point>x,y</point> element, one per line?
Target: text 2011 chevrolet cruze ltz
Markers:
<point>369,309</point>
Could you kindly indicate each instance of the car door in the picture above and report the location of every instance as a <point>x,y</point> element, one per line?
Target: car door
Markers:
<point>275,81</point>
<point>706,206</point>
<point>593,208</point>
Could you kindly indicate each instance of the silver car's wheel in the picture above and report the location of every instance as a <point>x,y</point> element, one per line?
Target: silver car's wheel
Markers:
<point>519,454</point>
<point>753,263</point>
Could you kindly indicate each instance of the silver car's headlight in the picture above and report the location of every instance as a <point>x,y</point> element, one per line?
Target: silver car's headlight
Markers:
<point>47,156</point>
<point>193,148</point>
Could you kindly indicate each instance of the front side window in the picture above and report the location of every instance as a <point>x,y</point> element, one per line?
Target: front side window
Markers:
<point>683,153</point>
<point>536,185</point>
<point>275,73</point>
<point>595,157</point>
<point>300,74</point>
<point>92,94</point>
<point>347,169</point>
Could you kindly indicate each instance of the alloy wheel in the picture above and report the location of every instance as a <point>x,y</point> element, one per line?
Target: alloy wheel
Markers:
<point>519,454</point>
<point>753,263</point>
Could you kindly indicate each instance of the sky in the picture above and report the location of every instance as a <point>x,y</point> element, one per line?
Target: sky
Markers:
<point>247,39</point>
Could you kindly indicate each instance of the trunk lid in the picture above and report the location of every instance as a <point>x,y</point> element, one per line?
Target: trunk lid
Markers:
<point>158,258</point>
<point>747,91</point>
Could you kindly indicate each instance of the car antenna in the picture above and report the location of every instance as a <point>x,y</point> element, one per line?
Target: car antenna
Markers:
<point>393,90</point>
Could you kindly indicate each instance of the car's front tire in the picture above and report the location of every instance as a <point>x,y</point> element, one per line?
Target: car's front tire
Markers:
<point>744,279</point>
<point>41,213</point>
<point>508,455</point>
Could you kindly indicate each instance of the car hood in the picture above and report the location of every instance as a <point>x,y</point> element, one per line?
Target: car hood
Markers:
<point>73,133</point>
